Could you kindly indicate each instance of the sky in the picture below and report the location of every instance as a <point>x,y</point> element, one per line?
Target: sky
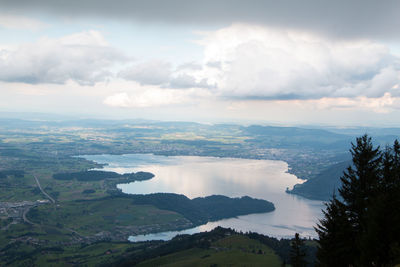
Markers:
<point>287,62</point>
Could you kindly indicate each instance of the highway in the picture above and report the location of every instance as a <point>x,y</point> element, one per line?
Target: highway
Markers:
<point>41,189</point>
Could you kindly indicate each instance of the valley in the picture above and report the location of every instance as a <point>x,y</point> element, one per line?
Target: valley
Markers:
<point>35,220</point>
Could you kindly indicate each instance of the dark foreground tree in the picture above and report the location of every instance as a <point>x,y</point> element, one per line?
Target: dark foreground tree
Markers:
<point>363,229</point>
<point>336,236</point>
<point>381,239</point>
<point>297,252</point>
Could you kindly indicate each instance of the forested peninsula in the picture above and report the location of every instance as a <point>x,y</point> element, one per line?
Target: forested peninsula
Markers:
<point>113,213</point>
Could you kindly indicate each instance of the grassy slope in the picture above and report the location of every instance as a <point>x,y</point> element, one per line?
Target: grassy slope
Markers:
<point>91,255</point>
<point>235,250</point>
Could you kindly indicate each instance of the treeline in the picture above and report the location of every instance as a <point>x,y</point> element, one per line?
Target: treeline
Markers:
<point>203,209</point>
<point>197,210</point>
<point>86,176</point>
<point>283,248</point>
<point>153,249</point>
<point>362,226</point>
<point>179,243</point>
<point>15,173</point>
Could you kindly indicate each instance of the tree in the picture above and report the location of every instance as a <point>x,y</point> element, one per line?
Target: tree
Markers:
<point>363,228</point>
<point>335,236</point>
<point>360,181</point>
<point>297,252</point>
<point>380,240</point>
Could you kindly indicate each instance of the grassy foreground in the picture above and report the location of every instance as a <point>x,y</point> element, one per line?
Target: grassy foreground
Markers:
<point>235,250</point>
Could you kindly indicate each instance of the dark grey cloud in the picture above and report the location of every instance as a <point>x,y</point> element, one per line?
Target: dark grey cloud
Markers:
<point>338,18</point>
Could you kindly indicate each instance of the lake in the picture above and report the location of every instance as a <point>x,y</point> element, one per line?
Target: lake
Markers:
<point>204,176</point>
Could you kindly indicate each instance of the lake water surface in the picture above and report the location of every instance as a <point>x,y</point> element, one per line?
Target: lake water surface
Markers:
<point>204,176</point>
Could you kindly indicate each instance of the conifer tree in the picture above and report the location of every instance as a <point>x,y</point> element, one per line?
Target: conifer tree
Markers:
<point>380,240</point>
<point>297,252</point>
<point>335,236</point>
<point>363,229</point>
<point>360,181</point>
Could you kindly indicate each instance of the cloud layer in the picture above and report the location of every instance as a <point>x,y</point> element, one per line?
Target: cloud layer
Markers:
<point>161,73</point>
<point>150,96</point>
<point>242,61</point>
<point>340,18</point>
<point>84,57</point>
<point>268,63</point>
<point>20,22</point>
<point>156,72</point>
<point>250,62</point>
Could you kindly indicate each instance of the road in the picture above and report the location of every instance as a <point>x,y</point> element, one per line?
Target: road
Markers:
<point>24,216</point>
<point>41,189</point>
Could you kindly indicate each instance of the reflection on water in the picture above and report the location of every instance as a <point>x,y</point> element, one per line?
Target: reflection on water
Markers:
<point>203,176</point>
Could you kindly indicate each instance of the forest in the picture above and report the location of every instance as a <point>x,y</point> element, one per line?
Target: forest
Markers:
<point>202,209</point>
<point>361,226</point>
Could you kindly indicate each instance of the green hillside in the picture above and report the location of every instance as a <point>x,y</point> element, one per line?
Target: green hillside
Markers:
<point>235,250</point>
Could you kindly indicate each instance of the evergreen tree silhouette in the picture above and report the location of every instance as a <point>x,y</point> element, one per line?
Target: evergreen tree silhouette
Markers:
<point>363,227</point>
<point>297,252</point>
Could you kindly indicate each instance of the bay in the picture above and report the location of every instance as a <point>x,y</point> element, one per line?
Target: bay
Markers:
<point>203,176</point>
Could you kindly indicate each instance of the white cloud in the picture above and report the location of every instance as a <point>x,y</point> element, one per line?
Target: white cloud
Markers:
<point>118,100</point>
<point>85,58</point>
<point>142,97</point>
<point>187,81</point>
<point>189,66</point>
<point>244,62</point>
<point>155,72</point>
<point>384,104</point>
<point>161,73</point>
<point>270,63</point>
<point>214,64</point>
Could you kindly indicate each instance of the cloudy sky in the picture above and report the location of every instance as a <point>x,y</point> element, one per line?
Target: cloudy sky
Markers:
<point>288,62</point>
